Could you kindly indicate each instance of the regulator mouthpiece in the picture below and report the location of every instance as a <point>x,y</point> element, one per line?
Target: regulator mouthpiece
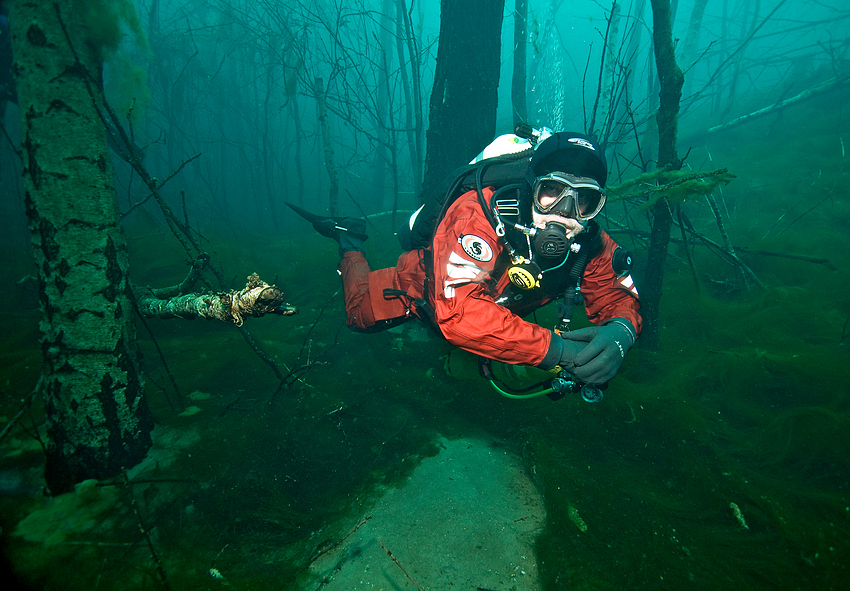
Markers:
<point>551,242</point>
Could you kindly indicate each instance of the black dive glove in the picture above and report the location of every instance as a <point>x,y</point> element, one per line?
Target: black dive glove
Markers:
<point>606,347</point>
<point>569,351</point>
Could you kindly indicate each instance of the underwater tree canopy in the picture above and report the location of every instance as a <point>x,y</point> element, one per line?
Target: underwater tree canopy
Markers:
<point>288,452</point>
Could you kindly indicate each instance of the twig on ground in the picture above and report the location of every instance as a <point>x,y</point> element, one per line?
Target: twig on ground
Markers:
<point>181,403</point>
<point>394,559</point>
<point>808,211</point>
<point>324,550</point>
<point>27,402</point>
<point>688,253</point>
<point>157,564</point>
<point>300,368</point>
<point>787,255</point>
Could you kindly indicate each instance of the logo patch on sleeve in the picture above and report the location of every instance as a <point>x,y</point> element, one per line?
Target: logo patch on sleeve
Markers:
<point>476,247</point>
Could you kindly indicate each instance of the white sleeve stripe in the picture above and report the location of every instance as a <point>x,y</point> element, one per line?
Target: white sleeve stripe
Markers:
<point>461,268</point>
<point>628,283</point>
<point>459,271</point>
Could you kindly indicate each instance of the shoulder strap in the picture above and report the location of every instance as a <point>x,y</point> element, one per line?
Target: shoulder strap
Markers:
<point>491,172</point>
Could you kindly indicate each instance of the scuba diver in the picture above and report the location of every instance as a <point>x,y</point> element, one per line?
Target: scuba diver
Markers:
<point>502,237</point>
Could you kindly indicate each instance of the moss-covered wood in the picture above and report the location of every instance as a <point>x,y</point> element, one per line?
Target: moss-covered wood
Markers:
<point>98,420</point>
<point>257,298</point>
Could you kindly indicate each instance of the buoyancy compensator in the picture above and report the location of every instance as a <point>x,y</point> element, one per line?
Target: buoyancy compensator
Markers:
<point>502,163</point>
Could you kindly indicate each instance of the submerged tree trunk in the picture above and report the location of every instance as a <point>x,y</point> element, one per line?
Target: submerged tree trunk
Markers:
<point>466,80</point>
<point>823,87</point>
<point>667,117</point>
<point>324,125</point>
<point>406,37</point>
<point>98,419</point>
<point>689,47</point>
<point>608,75</point>
<point>520,76</point>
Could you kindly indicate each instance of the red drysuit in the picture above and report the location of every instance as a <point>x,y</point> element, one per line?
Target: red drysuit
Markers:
<point>468,286</point>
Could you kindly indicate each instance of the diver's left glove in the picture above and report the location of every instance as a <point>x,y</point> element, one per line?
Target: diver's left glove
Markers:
<point>606,348</point>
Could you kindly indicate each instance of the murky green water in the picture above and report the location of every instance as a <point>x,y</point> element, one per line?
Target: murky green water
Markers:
<point>721,461</point>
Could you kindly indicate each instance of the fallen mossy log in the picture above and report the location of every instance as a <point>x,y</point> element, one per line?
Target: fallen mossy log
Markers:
<point>256,299</point>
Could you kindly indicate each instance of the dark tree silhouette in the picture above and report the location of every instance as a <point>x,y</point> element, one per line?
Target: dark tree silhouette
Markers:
<point>667,117</point>
<point>520,75</point>
<point>466,80</point>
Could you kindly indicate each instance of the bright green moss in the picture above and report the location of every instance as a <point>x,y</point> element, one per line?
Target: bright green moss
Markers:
<point>109,20</point>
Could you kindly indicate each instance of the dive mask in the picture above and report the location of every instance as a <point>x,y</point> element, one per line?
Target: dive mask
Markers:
<point>577,197</point>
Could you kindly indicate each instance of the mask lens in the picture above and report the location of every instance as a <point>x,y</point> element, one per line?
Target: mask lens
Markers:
<point>577,197</point>
<point>548,194</point>
<point>588,203</point>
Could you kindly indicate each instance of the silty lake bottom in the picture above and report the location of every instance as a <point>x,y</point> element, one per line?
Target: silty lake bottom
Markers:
<point>721,460</point>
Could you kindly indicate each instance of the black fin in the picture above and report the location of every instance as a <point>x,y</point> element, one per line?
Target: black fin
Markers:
<point>332,226</point>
